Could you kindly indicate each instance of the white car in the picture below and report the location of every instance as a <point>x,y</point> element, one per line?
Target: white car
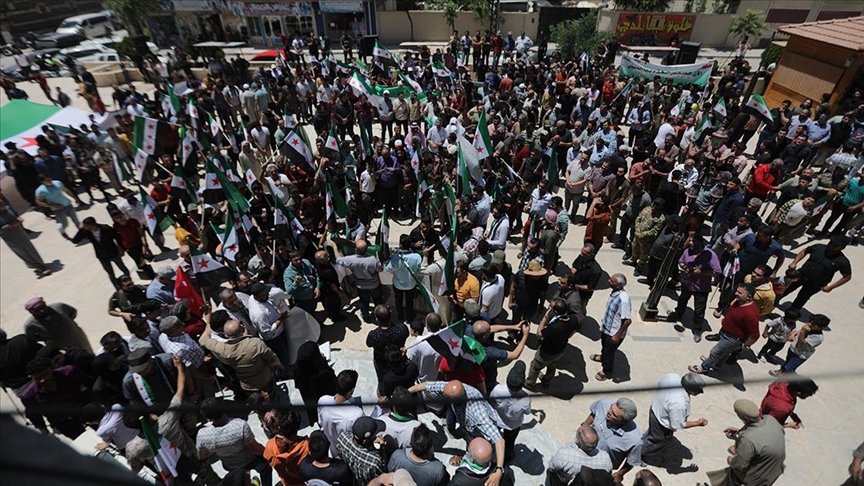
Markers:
<point>89,25</point>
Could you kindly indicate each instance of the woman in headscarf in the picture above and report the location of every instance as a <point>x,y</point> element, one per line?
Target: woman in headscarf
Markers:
<point>314,377</point>
<point>109,373</point>
<point>454,127</point>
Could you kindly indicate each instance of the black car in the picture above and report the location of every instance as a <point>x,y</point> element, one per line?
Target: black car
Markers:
<point>59,41</point>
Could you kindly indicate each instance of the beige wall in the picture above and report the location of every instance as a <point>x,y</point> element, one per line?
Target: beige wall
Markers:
<point>429,26</point>
<point>709,29</point>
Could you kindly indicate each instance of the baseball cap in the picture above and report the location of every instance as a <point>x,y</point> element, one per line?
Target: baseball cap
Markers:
<point>137,360</point>
<point>498,257</point>
<point>366,427</point>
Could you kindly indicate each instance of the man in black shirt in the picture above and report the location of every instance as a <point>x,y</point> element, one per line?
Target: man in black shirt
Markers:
<point>318,464</point>
<point>385,334</point>
<point>586,273</point>
<point>555,330</point>
<point>823,262</point>
<point>15,353</point>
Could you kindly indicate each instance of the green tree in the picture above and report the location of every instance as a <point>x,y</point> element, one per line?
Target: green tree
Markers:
<point>643,5</point>
<point>751,24</point>
<point>450,13</point>
<point>574,37</point>
<point>133,13</point>
<point>771,54</point>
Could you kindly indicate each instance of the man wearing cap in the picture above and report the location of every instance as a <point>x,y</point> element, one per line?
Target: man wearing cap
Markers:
<point>475,415</point>
<point>150,379</point>
<point>617,433</point>
<point>357,447</point>
<point>670,410</point>
<point>54,324</point>
<point>759,451</point>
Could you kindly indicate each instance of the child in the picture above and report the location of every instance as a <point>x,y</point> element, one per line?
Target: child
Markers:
<point>777,331</point>
<point>804,343</point>
<point>780,284</point>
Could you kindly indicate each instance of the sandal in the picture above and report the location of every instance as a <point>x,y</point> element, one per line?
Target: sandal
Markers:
<point>597,358</point>
<point>455,460</point>
<point>601,377</point>
<point>696,369</point>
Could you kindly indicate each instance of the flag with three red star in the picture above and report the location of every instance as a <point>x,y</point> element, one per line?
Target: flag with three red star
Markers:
<point>157,220</point>
<point>228,237</point>
<point>301,151</point>
<point>482,140</point>
<point>454,345</point>
<point>213,192</point>
<point>209,272</point>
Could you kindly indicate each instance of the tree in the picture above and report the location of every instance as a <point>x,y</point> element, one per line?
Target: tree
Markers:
<point>574,37</point>
<point>642,5</point>
<point>133,13</point>
<point>751,24</point>
<point>450,13</point>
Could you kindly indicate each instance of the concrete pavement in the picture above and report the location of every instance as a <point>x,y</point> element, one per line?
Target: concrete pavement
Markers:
<point>817,454</point>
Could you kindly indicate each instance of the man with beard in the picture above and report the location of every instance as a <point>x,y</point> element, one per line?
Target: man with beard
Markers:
<point>823,261</point>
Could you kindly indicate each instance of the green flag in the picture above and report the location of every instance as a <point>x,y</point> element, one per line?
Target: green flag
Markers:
<point>552,169</point>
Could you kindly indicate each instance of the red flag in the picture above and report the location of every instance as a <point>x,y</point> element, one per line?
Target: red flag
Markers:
<point>183,289</point>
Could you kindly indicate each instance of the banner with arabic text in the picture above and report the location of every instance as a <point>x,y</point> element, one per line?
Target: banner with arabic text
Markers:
<point>698,74</point>
<point>653,29</point>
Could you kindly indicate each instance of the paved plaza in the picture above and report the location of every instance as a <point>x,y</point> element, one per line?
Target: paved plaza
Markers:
<point>817,454</point>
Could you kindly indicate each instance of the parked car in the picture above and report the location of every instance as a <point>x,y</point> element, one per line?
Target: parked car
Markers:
<point>89,25</point>
<point>58,41</point>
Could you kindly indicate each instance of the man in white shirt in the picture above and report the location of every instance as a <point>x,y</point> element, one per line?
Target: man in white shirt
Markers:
<point>500,229</point>
<point>337,413</point>
<point>670,409</point>
<point>613,326</point>
<point>665,129</point>
<point>689,174</point>
<point>491,294</point>
<point>268,311</point>
<point>574,183</point>
<point>261,136</point>
<point>420,352</point>
<point>512,404</point>
<point>567,463</point>
<point>436,136</point>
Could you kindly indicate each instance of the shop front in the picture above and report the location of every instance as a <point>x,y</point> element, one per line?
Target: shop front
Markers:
<point>264,23</point>
<point>207,20</point>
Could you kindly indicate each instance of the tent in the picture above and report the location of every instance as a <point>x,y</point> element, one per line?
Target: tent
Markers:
<point>21,121</point>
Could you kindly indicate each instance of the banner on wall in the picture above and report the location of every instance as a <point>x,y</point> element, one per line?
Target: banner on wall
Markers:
<point>653,29</point>
<point>697,74</point>
<point>341,6</point>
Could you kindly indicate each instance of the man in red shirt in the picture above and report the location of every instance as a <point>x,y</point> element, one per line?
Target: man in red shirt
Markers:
<point>133,241</point>
<point>781,398</point>
<point>497,47</point>
<point>765,179</point>
<point>740,329</point>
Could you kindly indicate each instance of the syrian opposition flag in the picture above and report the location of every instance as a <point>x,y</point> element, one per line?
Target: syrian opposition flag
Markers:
<point>453,344</point>
<point>285,220</point>
<point>165,454</point>
<point>464,177</point>
<point>235,198</point>
<point>383,56</point>
<point>213,192</point>
<point>472,161</point>
<point>482,140</point>
<point>120,169</point>
<point>248,175</point>
<point>146,131</point>
<point>331,146</point>
<point>759,108</point>
<point>448,280</point>
<point>154,216</point>
<point>677,109</point>
<point>731,268</point>
<point>721,108</point>
<point>441,71</point>
<point>301,152</point>
<point>702,125</point>
<point>192,111</point>
<point>180,187</point>
<point>228,237</point>
<point>430,299</point>
<point>215,129</point>
<point>191,145</point>
<point>140,163</point>
<point>170,103</point>
<point>411,84</point>
<point>552,168</point>
<point>365,145</point>
<point>335,202</point>
<point>820,205</point>
<point>209,272</point>
<point>360,85</point>
<point>382,237</point>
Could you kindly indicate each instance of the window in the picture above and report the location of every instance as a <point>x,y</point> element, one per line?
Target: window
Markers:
<point>301,25</point>
<point>253,26</point>
<point>275,25</point>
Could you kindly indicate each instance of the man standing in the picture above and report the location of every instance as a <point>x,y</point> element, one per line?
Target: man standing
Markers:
<point>387,333</point>
<point>268,312</point>
<point>617,433</point>
<point>824,261</point>
<point>50,195</point>
<point>475,415</point>
<point>782,397</point>
<point>404,264</point>
<point>670,410</point>
<point>107,245</point>
<point>15,236</point>
<point>54,324</point>
<point>759,451</point>
<point>512,404</point>
<point>162,287</point>
<point>302,282</point>
<point>357,448</point>
<point>366,270</point>
<point>614,326</point>
<point>65,387</point>
<point>337,413</point>
<point>740,329</point>
<point>567,463</point>
<point>231,440</point>
<point>555,330</point>
<point>698,266</point>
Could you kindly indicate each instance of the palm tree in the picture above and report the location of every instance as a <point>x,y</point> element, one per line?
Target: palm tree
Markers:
<point>751,24</point>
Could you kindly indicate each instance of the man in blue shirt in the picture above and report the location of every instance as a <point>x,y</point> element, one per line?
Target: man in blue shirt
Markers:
<point>51,195</point>
<point>405,265</point>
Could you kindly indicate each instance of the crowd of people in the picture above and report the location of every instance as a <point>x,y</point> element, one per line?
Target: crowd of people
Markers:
<point>678,196</point>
